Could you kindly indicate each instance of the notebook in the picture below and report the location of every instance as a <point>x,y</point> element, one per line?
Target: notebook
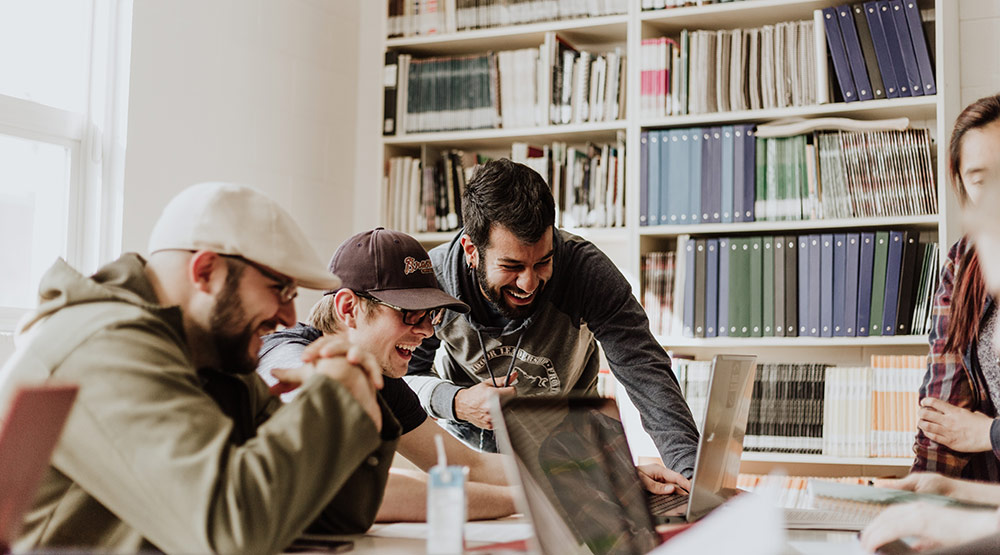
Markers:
<point>580,484</point>
<point>29,432</point>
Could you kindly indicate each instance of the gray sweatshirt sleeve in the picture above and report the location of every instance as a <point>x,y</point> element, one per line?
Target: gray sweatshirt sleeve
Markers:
<point>437,396</point>
<point>636,359</point>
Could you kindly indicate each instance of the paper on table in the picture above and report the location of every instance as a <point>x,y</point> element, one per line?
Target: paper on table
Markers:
<point>750,524</point>
<point>488,531</point>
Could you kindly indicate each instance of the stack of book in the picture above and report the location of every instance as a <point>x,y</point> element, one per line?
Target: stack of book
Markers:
<point>661,4</point>
<point>428,17</point>
<point>425,198</point>
<point>552,84</point>
<point>878,49</point>
<point>588,183</point>
<point>658,290</point>
<point>727,174</point>
<point>693,377</point>
<point>701,72</point>
<point>795,492</point>
<point>786,410</point>
<point>820,285</point>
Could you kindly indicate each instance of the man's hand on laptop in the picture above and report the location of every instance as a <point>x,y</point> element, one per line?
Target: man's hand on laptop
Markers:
<point>660,479</point>
<point>472,404</point>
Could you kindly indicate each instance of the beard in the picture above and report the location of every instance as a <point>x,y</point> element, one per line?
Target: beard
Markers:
<point>495,295</point>
<point>232,350</point>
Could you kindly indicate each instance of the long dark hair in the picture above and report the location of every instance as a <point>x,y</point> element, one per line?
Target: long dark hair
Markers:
<point>969,293</point>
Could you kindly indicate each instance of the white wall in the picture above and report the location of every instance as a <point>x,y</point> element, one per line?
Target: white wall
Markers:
<point>979,27</point>
<point>261,92</point>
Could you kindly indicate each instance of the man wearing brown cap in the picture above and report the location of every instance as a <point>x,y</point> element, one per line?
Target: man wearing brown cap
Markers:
<point>388,303</point>
<point>174,443</point>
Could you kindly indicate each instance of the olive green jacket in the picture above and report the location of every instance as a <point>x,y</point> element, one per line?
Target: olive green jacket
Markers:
<point>159,455</point>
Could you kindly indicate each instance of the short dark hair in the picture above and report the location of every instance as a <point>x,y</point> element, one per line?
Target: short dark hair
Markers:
<point>509,194</point>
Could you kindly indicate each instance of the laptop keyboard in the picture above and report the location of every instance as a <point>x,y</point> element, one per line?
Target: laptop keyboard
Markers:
<point>662,503</point>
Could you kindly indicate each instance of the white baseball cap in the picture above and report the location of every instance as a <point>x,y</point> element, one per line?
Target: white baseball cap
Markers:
<point>237,220</point>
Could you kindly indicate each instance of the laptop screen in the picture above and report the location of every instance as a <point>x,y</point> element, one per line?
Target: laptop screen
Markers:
<point>578,467</point>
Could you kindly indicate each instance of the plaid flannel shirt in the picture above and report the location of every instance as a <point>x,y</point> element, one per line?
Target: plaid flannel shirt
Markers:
<point>956,379</point>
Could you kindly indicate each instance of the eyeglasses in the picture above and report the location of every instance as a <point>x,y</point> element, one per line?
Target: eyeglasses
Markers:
<point>289,290</point>
<point>411,317</point>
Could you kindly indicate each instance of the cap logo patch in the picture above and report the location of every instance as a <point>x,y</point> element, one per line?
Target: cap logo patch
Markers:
<point>411,265</point>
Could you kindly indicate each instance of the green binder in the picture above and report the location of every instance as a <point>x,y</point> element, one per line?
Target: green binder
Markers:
<point>878,282</point>
<point>756,286</point>
<point>768,284</point>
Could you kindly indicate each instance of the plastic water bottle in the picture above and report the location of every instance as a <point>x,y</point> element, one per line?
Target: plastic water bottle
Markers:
<point>445,506</point>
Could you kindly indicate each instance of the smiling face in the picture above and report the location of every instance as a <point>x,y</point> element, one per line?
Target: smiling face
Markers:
<point>511,273</point>
<point>380,330</point>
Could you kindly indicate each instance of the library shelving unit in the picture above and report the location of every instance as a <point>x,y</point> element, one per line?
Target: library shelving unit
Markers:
<point>627,245</point>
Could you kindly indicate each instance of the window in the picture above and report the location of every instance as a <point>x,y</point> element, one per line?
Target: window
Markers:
<point>63,100</point>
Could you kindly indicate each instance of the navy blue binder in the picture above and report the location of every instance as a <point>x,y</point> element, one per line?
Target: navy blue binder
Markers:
<point>892,276</point>
<point>885,66</point>
<point>749,172</point>
<point>689,277</point>
<point>839,286</point>
<point>815,271</point>
<point>866,264</point>
<point>728,145</point>
<point>643,178</point>
<point>722,325</point>
<point>854,55</point>
<point>711,287</point>
<point>739,151</point>
<point>653,208</point>
<point>895,50</point>
<point>695,177</point>
<point>919,39</point>
<point>907,285</point>
<point>667,167</point>
<point>826,271</point>
<point>841,67</point>
<point>906,47</point>
<point>791,286</point>
<point>851,284</point>
<point>803,244</point>
<point>756,286</point>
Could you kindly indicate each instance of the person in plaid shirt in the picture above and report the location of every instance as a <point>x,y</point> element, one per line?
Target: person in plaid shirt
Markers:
<point>958,432</point>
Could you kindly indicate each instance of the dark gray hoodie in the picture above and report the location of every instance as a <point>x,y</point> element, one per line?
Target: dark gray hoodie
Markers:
<point>586,300</point>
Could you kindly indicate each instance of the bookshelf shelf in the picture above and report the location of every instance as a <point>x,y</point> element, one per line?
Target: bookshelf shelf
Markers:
<point>754,343</point>
<point>607,29</point>
<point>493,138</point>
<point>752,456</point>
<point>916,108</point>
<point>788,225</point>
<point>751,13</point>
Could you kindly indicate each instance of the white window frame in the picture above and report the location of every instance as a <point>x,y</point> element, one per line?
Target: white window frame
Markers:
<point>96,141</point>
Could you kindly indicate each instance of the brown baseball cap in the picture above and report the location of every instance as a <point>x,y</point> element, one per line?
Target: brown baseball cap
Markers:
<point>392,267</point>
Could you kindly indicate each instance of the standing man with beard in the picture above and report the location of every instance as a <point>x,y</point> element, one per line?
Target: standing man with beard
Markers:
<point>540,301</point>
<point>174,443</point>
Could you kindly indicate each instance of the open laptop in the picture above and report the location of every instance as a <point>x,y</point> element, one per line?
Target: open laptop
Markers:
<point>581,486</point>
<point>29,432</point>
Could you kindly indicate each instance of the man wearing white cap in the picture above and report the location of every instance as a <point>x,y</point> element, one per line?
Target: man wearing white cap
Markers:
<point>175,443</point>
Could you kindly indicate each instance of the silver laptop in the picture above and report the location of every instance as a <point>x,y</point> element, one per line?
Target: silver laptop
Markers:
<point>580,484</point>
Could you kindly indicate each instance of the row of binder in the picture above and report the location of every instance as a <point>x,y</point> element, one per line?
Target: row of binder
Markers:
<point>820,285</point>
<point>878,50</point>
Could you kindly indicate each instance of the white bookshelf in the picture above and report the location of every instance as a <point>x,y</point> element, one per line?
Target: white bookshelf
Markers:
<point>627,245</point>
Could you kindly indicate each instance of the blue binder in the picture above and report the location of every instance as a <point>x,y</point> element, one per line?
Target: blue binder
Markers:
<point>826,271</point>
<point>838,53</point>
<point>739,150</point>
<point>892,276</point>
<point>839,286</point>
<point>866,263</point>
<point>643,178</point>
<point>895,50</point>
<point>668,166</point>
<point>689,277</point>
<point>711,287</point>
<point>679,178</point>
<point>749,172</point>
<point>919,39</point>
<point>885,66</point>
<point>815,271</point>
<point>851,284</point>
<point>722,326</point>
<point>653,208</point>
<point>906,47</point>
<point>694,178</point>
<point>803,304</point>
<point>849,34</point>
<point>728,158</point>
